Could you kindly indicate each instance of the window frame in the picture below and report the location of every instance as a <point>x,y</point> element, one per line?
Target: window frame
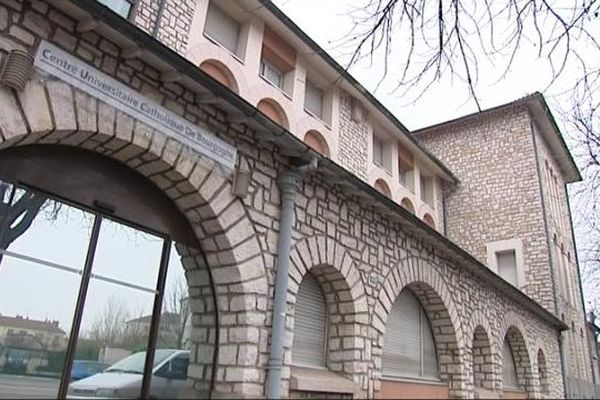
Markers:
<point>267,66</point>
<point>516,245</point>
<point>308,87</point>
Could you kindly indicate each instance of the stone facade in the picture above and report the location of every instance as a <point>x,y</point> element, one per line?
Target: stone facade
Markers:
<point>492,155</point>
<point>360,255</point>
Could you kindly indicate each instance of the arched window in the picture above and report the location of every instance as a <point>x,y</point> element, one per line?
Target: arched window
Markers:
<point>317,142</point>
<point>310,325</point>
<point>408,205</point>
<point>428,219</point>
<point>509,371</point>
<point>382,187</point>
<point>409,348</point>
<point>274,111</point>
<point>220,73</point>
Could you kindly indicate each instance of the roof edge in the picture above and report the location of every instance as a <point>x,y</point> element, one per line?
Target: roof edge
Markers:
<point>436,239</point>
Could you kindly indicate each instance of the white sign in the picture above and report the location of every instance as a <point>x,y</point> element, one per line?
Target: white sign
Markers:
<point>87,78</point>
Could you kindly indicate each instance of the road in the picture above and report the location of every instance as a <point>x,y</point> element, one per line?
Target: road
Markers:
<point>29,387</point>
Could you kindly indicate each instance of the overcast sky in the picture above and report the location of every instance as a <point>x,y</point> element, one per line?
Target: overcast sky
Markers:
<point>328,22</point>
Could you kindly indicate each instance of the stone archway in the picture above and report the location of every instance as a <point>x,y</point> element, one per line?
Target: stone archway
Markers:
<point>339,277</point>
<point>52,112</point>
<point>513,330</point>
<point>423,280</point>
<point>483,354</point>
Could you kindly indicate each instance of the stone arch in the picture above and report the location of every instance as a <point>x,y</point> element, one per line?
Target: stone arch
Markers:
<point>220,73</point>
<point>274,111</point>
<point>512,330</point>
<point>428,285</point>
<point>408,205</point>
<point>484,353</point>
<point>428,219</point>
<point>382,187</point>
<point>339,277</point>
<point>317,142</point>
<point>53,112</point>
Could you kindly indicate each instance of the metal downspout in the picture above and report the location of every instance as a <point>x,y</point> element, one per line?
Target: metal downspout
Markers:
<point>289,183</point>
<point>550,254</point>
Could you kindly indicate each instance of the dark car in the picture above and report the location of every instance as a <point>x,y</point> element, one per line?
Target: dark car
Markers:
<point>84,368</point>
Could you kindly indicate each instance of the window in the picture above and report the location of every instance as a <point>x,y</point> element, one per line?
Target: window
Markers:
<point>310,325</point>
<point>377,151</point>
<point>505,258</point>
<point>222,28</point>
<point>313,100</point>
<point>406,166</point>
<point>507,266</point>
<point>121,7</point>
<point>509,371</point>
<point>427,189</point>
<point>271,73</point>
<point>409,348</point>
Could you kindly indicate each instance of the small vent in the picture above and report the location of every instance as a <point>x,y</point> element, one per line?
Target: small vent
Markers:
<point>16,69</point>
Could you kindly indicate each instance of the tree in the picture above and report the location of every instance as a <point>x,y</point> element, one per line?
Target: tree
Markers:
<point>177,303</point>
<point>435,39</point>
<point>17,216</point>
<point>110,325</point>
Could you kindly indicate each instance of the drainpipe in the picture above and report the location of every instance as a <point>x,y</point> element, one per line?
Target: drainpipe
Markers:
<point>550,254</point>
<point>289,183</point>
<point>159,18</point>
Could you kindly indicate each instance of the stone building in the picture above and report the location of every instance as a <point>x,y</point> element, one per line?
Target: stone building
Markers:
<point>327,252</point>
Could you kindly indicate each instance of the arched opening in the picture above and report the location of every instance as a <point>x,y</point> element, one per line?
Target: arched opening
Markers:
<point>409,349</point>
<point>324,329</point>
<point>317,142</point>
<point>483,362</point>
<point>274,111</point>
<point>220,73</point>
<point>109,253</point>
<point>516,366</point>
<point>408,205</point>
<point>428,219</point>
<point>543,372</point>
<point>419,347</point>
<point>382,187</point>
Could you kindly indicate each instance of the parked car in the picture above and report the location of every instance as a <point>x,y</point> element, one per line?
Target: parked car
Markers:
<point>84,368</point>
<point>124,378</point>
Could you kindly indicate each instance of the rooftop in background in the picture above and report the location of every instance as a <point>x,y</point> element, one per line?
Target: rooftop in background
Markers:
<point>539,110</point>
<point>20,322</point>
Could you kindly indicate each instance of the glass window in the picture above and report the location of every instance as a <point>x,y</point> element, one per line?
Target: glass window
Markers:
<point>409,347</point>
<point>313,100</point>
<point>121,7</point>
<point>39,285</point>
<point>507,266</point>
<point>222,28</point>
<point>271,74</point>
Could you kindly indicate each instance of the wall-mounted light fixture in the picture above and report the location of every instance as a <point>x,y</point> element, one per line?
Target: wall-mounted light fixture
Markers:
<point>16,70</point>
<point>241,182</point>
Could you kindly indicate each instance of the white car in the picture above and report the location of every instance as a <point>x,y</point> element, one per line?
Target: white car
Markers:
<point>124,378</point>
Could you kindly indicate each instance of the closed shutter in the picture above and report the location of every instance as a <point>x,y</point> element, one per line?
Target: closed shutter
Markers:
<point>409,348</point>
<point>509,373</point>
<point>221,28</point>
<point>313,100</point>
<point>507,266</point>
<point>310,325</point>
<point>430,365</point>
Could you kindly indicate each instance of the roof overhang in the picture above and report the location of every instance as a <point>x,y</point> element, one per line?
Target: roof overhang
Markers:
<point>165,60</point>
